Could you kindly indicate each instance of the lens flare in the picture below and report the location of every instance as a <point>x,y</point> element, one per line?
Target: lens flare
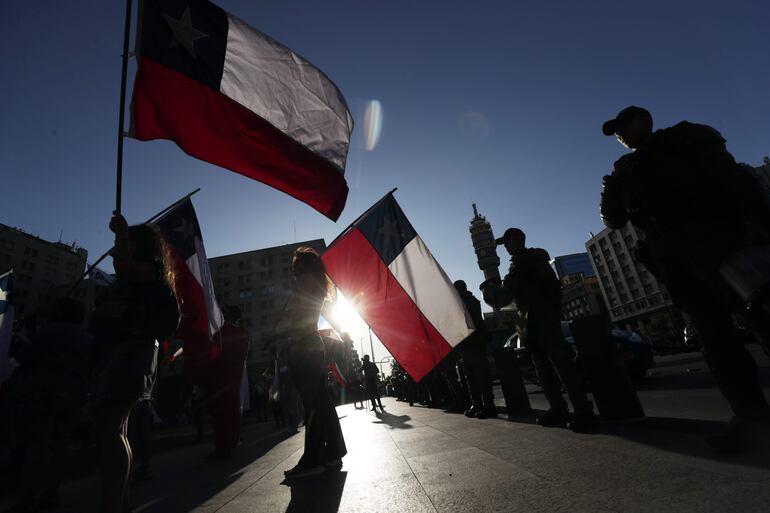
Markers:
<point>348,318</point>
<point>372,124</point>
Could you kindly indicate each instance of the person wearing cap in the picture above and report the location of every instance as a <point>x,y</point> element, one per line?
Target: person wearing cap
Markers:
<point>532,283</point>
<point>694,207</point>
<point>370,371</point>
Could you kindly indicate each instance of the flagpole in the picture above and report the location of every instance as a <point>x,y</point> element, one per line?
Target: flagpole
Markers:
<point>105,255</point>
<point>371,345</point>
<point>122,115</point>
<point>359,217</point>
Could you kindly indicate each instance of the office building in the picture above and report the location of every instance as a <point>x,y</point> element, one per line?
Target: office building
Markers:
<point>259,283</point>
<point>634,298</point>
<point>40,268</point>
<point>577,263</point>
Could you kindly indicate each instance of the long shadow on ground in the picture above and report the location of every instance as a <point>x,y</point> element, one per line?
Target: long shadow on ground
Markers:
<point>393,421</point>
<point>685,436</point>
<point>189,480</point>
<point>316,494</point>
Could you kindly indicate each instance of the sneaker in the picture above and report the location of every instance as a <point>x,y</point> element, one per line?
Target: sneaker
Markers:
<point>553,418</point>
<point>472,412</point>
<point>300,471</point>
<point>487,413</point>
<point>586,423</point>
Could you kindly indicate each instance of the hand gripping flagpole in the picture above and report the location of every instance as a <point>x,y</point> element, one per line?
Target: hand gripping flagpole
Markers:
<point>122,115</point>
<point>105,255</point>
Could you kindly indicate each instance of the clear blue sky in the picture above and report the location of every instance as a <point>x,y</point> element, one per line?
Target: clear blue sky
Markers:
<point>498,103</point>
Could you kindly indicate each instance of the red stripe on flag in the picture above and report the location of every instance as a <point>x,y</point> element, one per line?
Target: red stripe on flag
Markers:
<point>337,374</point>
<point>193,328</point>
<point>364,279</point>
<point>210,126</point>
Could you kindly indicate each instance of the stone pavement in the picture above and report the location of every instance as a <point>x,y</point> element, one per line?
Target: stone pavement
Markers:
<point>415,459</point>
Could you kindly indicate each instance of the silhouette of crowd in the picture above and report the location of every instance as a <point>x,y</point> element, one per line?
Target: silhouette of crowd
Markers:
<point>705,228</point>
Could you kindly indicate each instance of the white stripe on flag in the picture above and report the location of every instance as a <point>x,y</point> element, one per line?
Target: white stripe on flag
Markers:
<point>287,91</point>
<point>202,274</point>
<point>425,282</point>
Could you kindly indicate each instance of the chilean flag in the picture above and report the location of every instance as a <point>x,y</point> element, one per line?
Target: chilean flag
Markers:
<point>385,270</point>
<point>201,317</point>
<point>232,96</point>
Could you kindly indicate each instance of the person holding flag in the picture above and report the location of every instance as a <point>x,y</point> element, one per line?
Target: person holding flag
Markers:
<point>139,309</point>
<point>305,354</point>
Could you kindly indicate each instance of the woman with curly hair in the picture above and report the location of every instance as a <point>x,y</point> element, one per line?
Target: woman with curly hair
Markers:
<point>305,354</point>
<point>139,310</point>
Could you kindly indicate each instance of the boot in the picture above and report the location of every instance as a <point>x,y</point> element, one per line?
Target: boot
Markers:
<point>472,412</point>
<point>554,418</point>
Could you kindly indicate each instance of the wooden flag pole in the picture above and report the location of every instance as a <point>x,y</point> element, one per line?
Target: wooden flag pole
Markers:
<point>122,115</point>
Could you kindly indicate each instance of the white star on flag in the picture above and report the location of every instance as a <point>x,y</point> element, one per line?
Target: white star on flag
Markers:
<point>184,32</point>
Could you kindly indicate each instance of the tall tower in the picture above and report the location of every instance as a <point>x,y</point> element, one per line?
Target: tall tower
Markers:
<point>484,246</point>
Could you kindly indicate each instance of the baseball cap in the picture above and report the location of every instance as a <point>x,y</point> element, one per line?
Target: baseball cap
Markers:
<point>510,233</point>
<point>624,116</point>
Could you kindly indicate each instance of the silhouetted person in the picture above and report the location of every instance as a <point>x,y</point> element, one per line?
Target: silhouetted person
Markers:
<point>225,385</point>
<point>140,430</point>
<point>456,400</point>
<point>371,371</point>
<point>50,388</point>
<point>356,389</point>
<point>476,364</point>
<point>694,208</point>
<point>137,310</point>
<point>306,358</point>
<point>261,397</point>
<point>532,283</point>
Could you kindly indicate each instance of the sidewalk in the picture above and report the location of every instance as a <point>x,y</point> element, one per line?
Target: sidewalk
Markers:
<point>421,460</point>
<point>415,459</point>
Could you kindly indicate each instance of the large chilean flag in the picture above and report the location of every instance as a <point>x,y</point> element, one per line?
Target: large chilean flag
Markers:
<point>232,96</point>
<point>385,270</point>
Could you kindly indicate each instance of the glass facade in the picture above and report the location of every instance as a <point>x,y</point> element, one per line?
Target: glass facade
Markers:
<point>573,264</point>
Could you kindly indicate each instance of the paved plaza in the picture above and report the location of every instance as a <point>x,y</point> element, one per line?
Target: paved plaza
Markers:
<point>416,459</point>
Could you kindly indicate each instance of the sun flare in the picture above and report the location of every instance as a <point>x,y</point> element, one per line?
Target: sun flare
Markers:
<point>348,318</point>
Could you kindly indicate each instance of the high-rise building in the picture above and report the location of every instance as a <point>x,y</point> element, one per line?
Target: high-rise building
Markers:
<point>40,268</point>
<point>259,283</point>
<point>634,298</point>
<point>484,245</point>
<point>581,296</point>
<point>576,263</point>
